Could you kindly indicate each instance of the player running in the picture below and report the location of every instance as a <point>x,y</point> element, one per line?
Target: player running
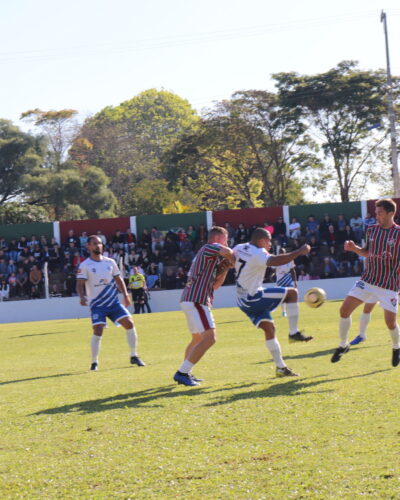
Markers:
<point>204,277</point>
<point>380,280</point>
<point>258,302</point>
<point>98,283</point>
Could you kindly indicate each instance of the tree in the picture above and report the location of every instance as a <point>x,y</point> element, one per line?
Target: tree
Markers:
<point>346,108</point>
<point>128,141</point>
<point>247,152</point>
<point>19,154</point>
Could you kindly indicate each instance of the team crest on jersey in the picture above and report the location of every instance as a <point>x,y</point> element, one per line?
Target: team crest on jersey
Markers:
<point>93,269</point>
<point>391,242</point>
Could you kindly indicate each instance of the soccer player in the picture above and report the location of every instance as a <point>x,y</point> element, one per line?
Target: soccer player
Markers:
<point>203,278</point>
<point>380,280</point>
<point>257,302</point>
<point>285,277</point>
<point>98,282</point>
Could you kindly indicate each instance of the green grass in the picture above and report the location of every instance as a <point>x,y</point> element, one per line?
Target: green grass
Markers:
<point>129,432</point>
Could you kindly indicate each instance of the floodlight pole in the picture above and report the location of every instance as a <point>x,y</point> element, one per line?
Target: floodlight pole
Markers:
<point>392,116</point>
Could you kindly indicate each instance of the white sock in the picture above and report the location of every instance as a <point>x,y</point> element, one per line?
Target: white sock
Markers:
<point>283,307</point>
<point>365,318</point>
<point>275,349</point>
<point>292,316</point>
<point>132,339</point>
<point>186,366</point>
<point>395,337</point>
<point>344,327</point>
<point>95,343</point>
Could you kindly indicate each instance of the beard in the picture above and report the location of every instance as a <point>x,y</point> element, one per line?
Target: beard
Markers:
<point>97,251</point>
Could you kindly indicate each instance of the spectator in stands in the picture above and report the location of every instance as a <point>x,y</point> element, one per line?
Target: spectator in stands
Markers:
<point>83,239</point>
<point>153,279</point>
<point>71,239</point>
<point>357,268</point>
<point>43,241</point>
<point>231,234</point>
<point>11,267</point>
<point>13,251</point>
<point>23,243</point>
<point>24,254</point>
<point>3,268</point>
<point>331,237</point>
<point>192,235</point>
<point>35,282</point>
<point>157,241</point>
<point>132,259</point>
<point>102,237</point>
<point>171,249</point>
<point>312,227</point>
<point>303,275</point>
<point>294,229</point>
<point>202,235</point>
<point>145,240</point>
<point>341,222</point>
<point>328,268</point>
<point>241,235</point>
<point>357,225</point>
<point>181,277</point>
<point>118,240</point>
<point>53,242</point>
<point>3,244</point>
<point>368,221</point>
<point>170,280</point>
<point>129,240</point>
<point>70,280</point>
<point>56,258</point>
<point>323,227</point>
<point>22,282</point>
<point>280,231</point>
<point>12,283</point>
<point>4,290</point>
<point>268,227</point>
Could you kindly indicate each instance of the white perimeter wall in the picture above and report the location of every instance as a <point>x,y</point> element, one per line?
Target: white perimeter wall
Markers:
<point>168,300</point>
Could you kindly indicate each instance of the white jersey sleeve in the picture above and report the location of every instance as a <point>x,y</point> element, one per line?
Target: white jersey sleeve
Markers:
<point>251,263</point>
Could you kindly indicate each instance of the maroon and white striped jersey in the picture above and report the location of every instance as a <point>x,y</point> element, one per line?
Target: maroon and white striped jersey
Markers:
<point>202,274</point>
<point>383,261</point>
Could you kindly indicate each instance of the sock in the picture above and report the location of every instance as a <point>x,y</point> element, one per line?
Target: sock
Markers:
<point>292,316</point>
<point>132,339</point>
<point>95,343</point>
<point>283,307</point>
<point>365,318</point>
<point>186,366</point>
<point>344,327</point>
<point>275,349</point>
<point>395,337</point>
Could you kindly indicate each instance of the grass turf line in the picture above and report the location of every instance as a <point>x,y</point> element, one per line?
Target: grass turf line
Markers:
<point>129,432</point>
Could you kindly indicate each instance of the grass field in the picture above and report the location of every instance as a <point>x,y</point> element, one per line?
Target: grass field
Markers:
<point>129,432</point>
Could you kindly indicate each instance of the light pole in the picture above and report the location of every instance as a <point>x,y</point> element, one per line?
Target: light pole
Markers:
<point>392,116</point>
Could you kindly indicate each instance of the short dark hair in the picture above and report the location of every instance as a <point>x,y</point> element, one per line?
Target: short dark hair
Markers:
<point>259,234</point>
<point>387,204</point>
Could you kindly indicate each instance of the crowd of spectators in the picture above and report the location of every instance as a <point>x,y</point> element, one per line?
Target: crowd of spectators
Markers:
<point>164,258</point>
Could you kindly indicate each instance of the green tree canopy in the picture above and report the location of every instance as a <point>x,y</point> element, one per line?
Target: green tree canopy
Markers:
<point>247,152</point>
<point>346,108</point>
<point>129,141</point>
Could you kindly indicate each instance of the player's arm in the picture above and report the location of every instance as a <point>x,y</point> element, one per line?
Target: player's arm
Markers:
<point>81,291</point>
<point>350,246</point>
<point>227,254</point>
<point>285,258</point>
<point>122,289</point>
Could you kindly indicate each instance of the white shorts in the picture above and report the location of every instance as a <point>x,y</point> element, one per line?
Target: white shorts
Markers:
<point>371,294</point>
<point>198,316</point>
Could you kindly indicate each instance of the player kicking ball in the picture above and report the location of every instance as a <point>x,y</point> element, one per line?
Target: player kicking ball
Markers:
<point>380,280</point>
<point>258,302</point>
<point>98,283</point>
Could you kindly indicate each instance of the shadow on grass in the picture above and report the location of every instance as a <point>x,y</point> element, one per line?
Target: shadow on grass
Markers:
<point>292,387</point>
<point>135,399</point>
<point>38,334</point>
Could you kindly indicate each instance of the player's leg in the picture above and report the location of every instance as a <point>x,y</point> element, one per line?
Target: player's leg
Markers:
<point>349,304</point>
<point>95,344</point>
<point>202,326</point>
<point>132,339</point>
<point>391,323</point>
<point>292,307</point>
<point>274,347</point>
<point>365,318</point>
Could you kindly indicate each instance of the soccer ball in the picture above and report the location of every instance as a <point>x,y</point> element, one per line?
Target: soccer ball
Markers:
<point>315,297</point>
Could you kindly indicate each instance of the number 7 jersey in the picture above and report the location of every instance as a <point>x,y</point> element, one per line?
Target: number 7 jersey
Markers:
<point>251,263</point>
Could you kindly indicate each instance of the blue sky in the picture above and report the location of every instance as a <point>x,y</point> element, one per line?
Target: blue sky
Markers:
<point>88,54</point>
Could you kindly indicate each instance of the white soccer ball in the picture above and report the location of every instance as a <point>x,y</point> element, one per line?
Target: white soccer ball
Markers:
<point>315,297</point>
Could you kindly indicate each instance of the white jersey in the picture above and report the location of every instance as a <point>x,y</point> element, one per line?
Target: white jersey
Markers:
<point>99,281</point>
<point>283,273</point>
<point>251,263</point>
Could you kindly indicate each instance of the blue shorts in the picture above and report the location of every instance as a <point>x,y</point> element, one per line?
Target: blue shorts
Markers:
<point>115,312</point>
<point>258,307</point>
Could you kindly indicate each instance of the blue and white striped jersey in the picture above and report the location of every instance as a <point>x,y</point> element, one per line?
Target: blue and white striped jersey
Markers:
<point>101,289</point>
